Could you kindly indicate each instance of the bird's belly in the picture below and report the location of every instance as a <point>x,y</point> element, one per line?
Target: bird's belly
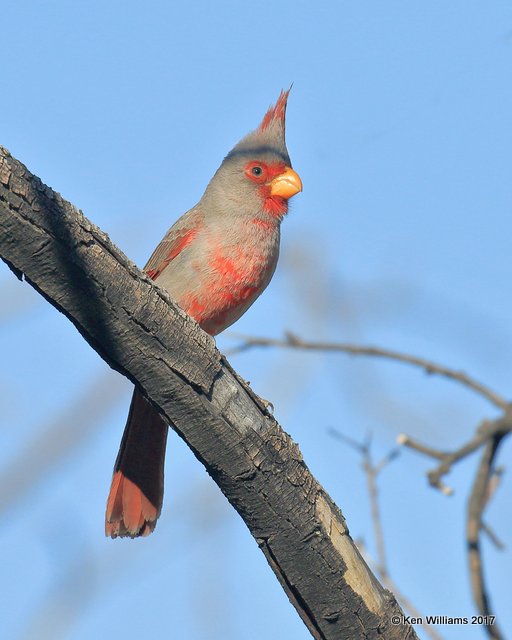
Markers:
<point>222,309</point>
<point>230,288</point>
<point>217,287</point>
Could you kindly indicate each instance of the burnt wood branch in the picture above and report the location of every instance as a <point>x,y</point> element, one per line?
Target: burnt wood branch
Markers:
<point>141,333</point>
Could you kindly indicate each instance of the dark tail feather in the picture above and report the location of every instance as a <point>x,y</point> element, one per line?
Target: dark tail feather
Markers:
<point>136,494</point>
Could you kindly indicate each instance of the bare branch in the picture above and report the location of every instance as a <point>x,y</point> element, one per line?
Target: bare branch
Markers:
<point>387,459</point>
<point>291,341</point>
<point>487,430</point>
<point>476,506</point>
<point>406,441</point>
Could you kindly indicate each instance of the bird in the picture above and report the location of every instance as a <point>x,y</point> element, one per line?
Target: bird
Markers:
<point>214,262</point>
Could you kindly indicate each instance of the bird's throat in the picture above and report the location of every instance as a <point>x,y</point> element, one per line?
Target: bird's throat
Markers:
<point>275,206</point>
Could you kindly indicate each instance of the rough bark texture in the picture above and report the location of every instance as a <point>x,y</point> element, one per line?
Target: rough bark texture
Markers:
<point>135,327</point>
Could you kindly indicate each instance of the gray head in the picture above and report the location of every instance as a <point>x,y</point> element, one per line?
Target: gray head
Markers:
<point>256,177</point>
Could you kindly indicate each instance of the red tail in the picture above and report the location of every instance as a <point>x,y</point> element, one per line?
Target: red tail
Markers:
<point>136,494</point>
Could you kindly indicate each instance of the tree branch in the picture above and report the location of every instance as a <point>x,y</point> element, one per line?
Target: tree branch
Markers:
<point>291,341</point>
<point>141,333</point>
<point>486,432</point>
<point>477,502</point>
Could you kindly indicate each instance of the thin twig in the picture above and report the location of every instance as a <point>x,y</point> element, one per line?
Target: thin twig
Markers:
<point>499,544</point>
<point>351,442</point>
<point>293,342</point>
<point>406,441</point>
<point>371,482</point>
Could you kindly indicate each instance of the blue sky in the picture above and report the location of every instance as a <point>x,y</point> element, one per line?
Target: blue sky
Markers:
<point>399,125</point>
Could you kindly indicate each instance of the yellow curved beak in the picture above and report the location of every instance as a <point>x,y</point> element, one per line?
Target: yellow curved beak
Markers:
<point>286,184</point>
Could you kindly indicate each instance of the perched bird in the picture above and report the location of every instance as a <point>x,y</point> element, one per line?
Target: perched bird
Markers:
<point>214,261</point>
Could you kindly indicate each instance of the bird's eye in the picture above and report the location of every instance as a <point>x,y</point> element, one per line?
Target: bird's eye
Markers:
<point>256,171</point>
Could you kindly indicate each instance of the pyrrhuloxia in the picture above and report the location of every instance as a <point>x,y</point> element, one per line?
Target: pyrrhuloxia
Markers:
<point>214,261</point>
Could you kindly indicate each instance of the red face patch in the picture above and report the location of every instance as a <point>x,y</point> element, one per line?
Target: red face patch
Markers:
<point>262,174</point>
